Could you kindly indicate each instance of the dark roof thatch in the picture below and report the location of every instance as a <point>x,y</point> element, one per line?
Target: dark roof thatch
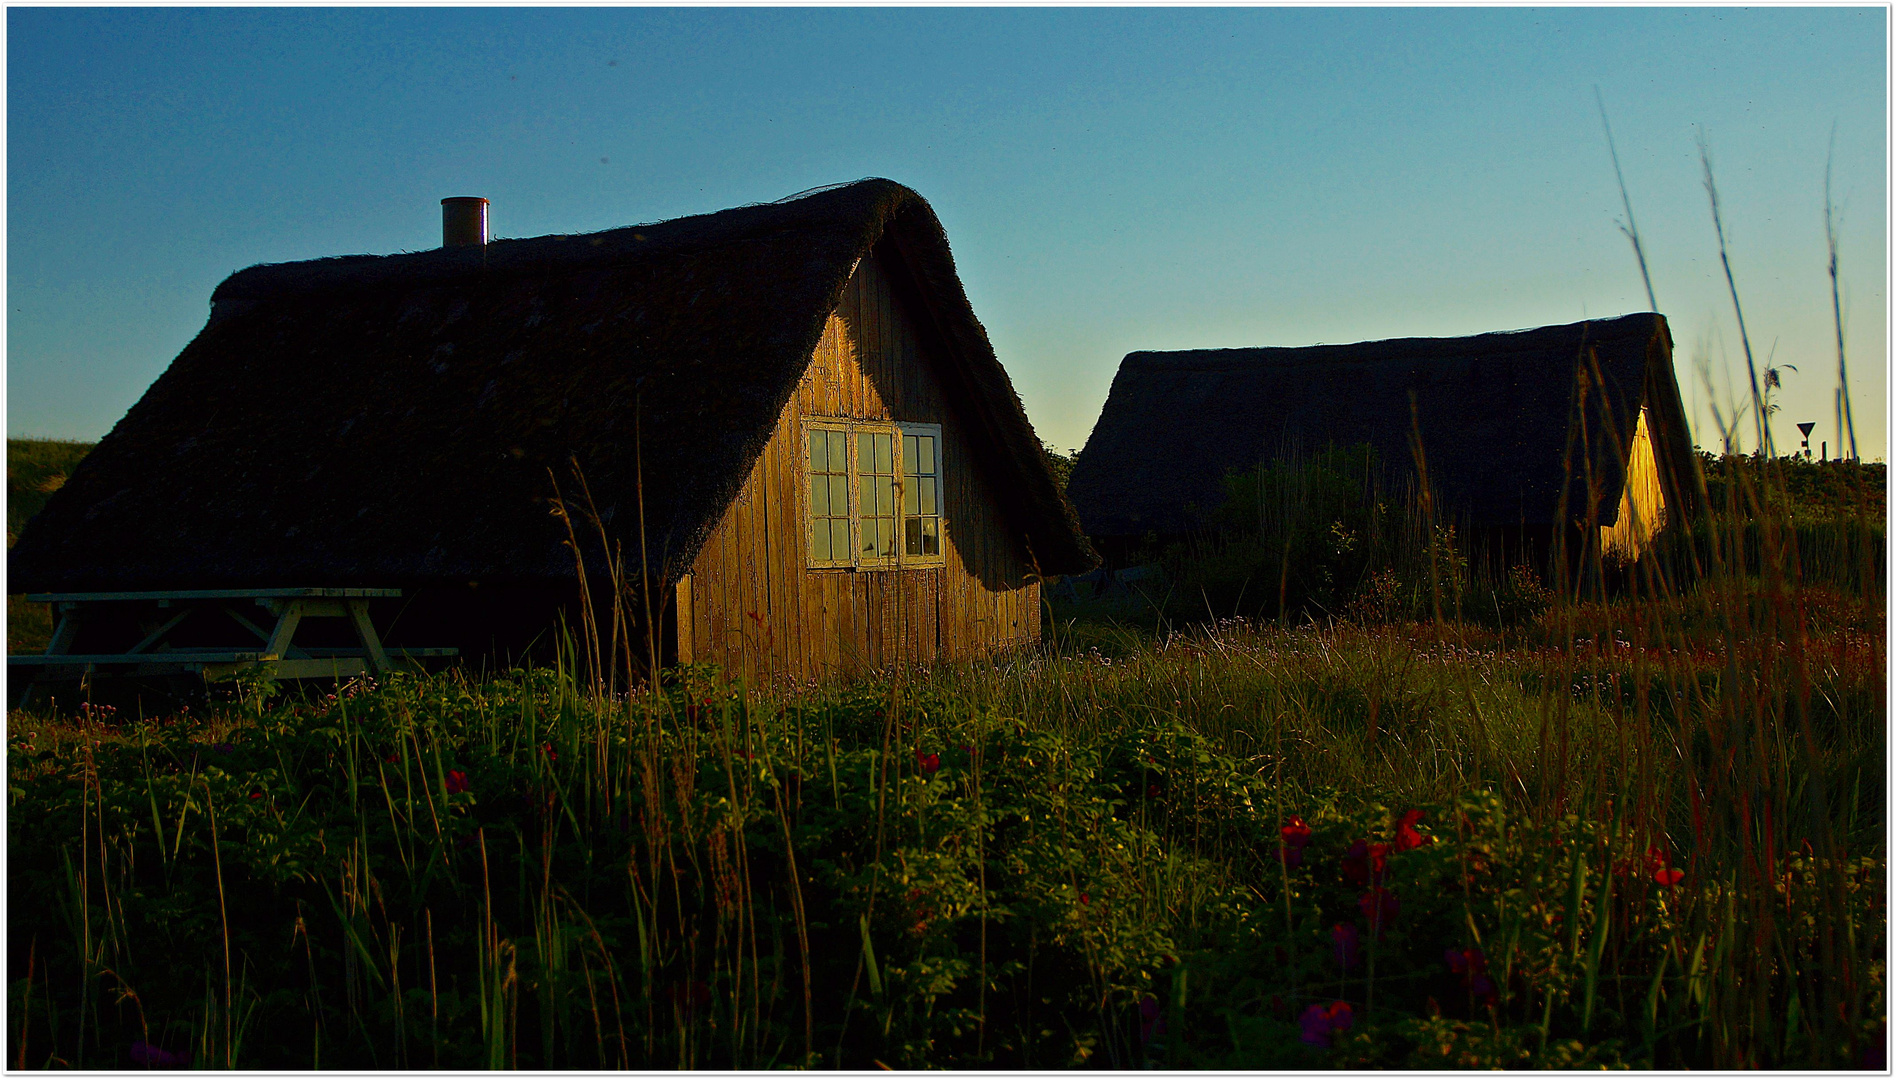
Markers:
<point>392,420</point>
<point>1494,413</point>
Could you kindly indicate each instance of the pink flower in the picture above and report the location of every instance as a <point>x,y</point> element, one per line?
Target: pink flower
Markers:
<point>457,782</point>
<point>1320,1023</point>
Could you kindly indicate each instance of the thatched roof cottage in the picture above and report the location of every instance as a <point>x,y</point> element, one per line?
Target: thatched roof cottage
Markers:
<point>1511,426</point>
<point>789,409</point>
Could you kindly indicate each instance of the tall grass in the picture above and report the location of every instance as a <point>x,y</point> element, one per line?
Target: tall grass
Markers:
<point>1068,857</point>
<point>1637,819</point>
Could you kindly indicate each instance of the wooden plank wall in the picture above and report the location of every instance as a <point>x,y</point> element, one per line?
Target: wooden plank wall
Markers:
<point>757,608</point>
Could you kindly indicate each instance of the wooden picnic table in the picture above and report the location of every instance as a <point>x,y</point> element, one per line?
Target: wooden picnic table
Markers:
<point>276,653</point>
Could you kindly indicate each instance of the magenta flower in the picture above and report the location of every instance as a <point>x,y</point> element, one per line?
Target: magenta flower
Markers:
<point>1364,862</point>
<point>1320,1023</point>
<point>1151,1023</point>
<point>1349,944</point>
<point>152,1057</point>
<point>1472,966</point>
<point>1379,905</point>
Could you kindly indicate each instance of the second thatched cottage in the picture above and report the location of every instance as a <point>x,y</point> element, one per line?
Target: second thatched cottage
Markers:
<point>1523,434</point>
<point>791,427</point>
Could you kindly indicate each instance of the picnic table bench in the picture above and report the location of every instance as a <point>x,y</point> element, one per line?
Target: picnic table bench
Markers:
<point>275,654</point>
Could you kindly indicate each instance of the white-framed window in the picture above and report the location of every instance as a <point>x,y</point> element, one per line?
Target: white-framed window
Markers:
<point>874,494</point>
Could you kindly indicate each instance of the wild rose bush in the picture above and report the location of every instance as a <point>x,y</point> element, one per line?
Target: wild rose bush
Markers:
<point>437,873</point>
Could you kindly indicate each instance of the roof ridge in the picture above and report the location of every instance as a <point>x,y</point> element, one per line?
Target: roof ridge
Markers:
<point>1524,339</point>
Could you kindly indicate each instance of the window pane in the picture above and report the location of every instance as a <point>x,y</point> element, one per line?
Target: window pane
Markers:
<point>838,455</point>
<point>926,495</point>
<point>908,454</point>
<point>912,536</point>
<point>885,536</point>
<point>839,539</point>
<point>819,451</point>
<point>909,495</point>
<point>839,495</point>
<point>925,454</point>
<point>820,541</point>
<point>931,539</point>
<point>819,496</point>
<point>885,495</point>
<point>885,454</point>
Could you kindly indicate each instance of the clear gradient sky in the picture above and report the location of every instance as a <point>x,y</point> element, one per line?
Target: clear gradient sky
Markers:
<point>1110,179</point>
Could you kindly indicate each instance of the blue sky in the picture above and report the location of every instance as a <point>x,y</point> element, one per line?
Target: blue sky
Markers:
<point>1110,179</point>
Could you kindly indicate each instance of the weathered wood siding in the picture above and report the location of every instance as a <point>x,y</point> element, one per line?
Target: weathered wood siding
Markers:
<point>755,606</point>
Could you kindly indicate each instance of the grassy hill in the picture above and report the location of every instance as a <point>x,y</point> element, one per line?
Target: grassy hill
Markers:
<point>35,469</point>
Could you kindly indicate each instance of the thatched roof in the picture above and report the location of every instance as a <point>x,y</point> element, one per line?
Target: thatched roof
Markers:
<point>1494,413</point>
<point>391,420</point>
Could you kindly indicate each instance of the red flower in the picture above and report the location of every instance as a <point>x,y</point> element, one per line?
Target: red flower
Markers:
<point>551,754</point>
<point>691,997</point>
<point>1153,791</point>
<point>1406,837</point>
<point>1378,905</point>
<point>1085,899</point>
<point>255,794</point>
<point>457,782</point>
<point>1296,833</point>
<point>1321,1022</point>
<point>1291,856</point>
<point>1662,870</point>
<point>927,762</point>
